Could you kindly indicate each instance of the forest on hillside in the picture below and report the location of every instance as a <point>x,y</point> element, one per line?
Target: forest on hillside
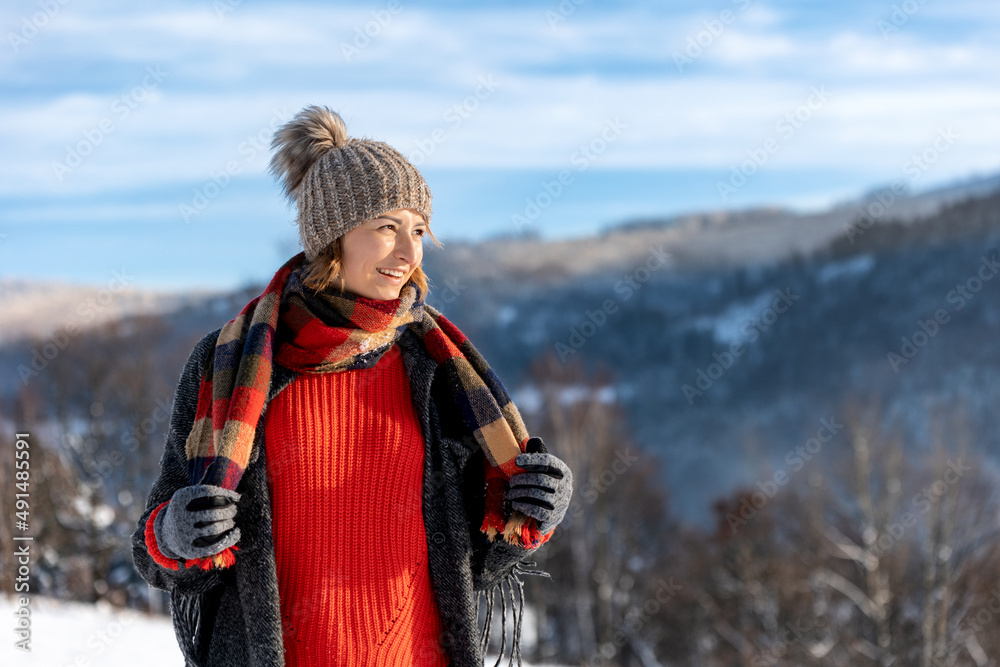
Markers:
<point>875,557</point>
<point>815,505</point>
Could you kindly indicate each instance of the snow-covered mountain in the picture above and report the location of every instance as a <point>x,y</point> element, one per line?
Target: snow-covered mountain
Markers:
<point>666,326</point>
<point>696,241</point>
<point>34,308</point>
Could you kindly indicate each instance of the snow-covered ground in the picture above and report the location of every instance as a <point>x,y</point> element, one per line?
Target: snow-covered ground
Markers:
<point>71,634</point>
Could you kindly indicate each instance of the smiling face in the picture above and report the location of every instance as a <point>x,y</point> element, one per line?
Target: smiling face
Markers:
<point>393,240</point>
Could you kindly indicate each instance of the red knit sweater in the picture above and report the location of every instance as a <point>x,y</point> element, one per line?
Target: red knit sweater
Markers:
<point>345,457</point>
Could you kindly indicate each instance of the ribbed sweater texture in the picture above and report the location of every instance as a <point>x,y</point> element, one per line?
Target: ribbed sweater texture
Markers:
<point>345,463</point>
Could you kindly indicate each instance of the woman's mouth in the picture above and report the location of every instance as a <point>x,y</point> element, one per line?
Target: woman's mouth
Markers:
<point>392,280</point>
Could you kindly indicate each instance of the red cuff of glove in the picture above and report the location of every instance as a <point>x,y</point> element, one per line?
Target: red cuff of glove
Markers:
<point>153,548</point>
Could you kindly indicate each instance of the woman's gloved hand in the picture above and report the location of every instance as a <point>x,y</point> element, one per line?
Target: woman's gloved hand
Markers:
<point>198,522</point>
<point>544,490</point>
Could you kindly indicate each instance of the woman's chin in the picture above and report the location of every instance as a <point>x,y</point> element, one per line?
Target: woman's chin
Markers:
<point>383,295</point>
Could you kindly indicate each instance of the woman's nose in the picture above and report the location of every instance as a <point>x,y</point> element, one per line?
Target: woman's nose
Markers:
<point>407,247</point>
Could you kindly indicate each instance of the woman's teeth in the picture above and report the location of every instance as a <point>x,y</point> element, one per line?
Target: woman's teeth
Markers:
<point>393,274</point>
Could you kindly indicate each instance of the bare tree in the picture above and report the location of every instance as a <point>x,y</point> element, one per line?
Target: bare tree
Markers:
<point>606,557</point>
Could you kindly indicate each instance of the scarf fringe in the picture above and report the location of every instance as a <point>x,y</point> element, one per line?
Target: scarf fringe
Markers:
<point>221,560</point>
<point>519,530</point>
<point>513,583</point>
<point>515,526</point>
<point>493,522</point>
<point>186,611</point>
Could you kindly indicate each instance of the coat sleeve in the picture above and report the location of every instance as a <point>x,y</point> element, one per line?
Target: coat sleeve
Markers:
<point>490,562</point>
<point>494,561</point>
<point>158,570</point>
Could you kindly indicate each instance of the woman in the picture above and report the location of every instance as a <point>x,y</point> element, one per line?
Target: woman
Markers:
<point>344,476</point>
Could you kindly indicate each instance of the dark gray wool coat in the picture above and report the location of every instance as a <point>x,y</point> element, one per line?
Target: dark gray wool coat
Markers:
<point>232,616</point>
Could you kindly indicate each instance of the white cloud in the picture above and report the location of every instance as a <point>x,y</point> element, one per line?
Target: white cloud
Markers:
<point>851,53</point>
<point>740,48</point>
<point>761,16</point>
<point>229,76</point>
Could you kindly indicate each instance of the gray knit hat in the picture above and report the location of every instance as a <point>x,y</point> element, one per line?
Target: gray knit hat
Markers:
<point>340,182</point>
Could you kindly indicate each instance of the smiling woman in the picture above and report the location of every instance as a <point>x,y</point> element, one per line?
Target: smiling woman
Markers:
<point>381,254</point>
<point>305,426</point>
<point>360,260</point>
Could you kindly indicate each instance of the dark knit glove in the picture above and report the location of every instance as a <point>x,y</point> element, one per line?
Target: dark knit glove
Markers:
<point>544,490</point>
<point>197,522</point>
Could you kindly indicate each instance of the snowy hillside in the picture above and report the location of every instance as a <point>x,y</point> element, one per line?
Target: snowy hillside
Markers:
<point>706,240</point>
<point>696,241</point>
<point>37,308</point>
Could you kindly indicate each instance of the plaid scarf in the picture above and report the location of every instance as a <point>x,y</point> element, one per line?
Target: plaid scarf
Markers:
<point>237,375</point>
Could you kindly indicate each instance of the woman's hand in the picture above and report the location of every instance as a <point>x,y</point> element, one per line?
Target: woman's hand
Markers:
<point>197,522</point>
<point>543,491</point>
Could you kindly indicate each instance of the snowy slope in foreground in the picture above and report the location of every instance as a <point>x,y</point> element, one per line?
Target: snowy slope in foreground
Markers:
<point>71,634</point>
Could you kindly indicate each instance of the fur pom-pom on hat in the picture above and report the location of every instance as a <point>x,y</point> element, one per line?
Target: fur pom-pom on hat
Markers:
<point>301,141</point>
<point>337,181</point>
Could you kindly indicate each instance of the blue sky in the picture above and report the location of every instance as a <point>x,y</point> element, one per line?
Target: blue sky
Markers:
<point>120,119</point>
